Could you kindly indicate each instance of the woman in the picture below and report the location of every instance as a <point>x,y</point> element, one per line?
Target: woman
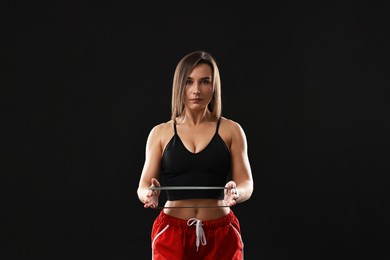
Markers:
<point>192,155</point>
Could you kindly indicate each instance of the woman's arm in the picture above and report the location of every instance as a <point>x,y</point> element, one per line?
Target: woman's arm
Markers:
<point>241,169</point>
<point>151,169</point>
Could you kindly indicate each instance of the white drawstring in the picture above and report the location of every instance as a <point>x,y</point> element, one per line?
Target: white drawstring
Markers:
<point>200,236</point>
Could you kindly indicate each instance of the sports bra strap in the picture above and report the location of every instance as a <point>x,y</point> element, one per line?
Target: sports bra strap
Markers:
<point>219,120</point>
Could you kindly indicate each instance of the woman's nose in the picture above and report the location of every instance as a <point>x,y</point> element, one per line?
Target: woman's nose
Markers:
<point>196,89</point>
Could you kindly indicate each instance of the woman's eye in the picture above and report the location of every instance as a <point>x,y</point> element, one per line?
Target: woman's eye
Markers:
<point>188,82</point>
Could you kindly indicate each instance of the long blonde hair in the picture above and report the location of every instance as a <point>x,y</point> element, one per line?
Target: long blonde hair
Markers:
<point>183,69</point>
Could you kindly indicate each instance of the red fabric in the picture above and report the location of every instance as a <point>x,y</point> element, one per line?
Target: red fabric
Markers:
<point>173,239</point>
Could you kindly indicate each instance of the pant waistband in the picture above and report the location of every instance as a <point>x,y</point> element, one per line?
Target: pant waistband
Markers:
<point>173,221</point>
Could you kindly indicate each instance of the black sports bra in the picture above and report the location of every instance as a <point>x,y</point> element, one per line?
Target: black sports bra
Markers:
<point>209,167</point>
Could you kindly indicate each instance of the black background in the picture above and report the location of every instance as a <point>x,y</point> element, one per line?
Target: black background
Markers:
<point>82,84</point>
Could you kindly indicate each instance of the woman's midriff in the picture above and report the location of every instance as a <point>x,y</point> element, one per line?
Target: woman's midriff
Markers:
<point>204,209</point>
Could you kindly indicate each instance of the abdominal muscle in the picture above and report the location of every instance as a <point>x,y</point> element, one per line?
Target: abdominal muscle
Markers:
<point>203,209</point>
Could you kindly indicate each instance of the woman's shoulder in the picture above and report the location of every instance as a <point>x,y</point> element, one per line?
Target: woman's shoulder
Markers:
<point>162,128</point>
<point>232,128</point>
<point>230,124</point>
<point>230,131</point>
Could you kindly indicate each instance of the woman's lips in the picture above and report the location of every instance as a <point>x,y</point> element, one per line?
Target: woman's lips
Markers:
<point>196,100</point>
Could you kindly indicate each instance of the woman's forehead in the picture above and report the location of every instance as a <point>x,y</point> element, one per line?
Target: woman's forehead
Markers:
<point>200,71</point>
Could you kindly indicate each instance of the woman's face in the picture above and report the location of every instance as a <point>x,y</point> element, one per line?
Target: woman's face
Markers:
<point>199,87</point>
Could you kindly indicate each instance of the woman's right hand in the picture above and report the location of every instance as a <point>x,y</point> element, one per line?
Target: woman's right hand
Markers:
<point>151,197</point>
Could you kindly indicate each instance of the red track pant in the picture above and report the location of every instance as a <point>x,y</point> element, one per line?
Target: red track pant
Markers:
<point>178,239</point>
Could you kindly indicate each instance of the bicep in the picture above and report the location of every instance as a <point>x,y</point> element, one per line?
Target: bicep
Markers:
<point>241,170</point>
<point>151,168</point>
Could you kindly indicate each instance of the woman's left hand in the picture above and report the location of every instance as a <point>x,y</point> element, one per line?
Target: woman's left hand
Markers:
<point>231,194</point>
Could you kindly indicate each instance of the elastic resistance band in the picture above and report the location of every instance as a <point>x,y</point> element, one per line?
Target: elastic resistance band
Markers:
<point>190,188</point>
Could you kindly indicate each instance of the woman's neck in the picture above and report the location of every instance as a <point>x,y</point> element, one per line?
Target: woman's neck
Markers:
<point>194,118</point>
